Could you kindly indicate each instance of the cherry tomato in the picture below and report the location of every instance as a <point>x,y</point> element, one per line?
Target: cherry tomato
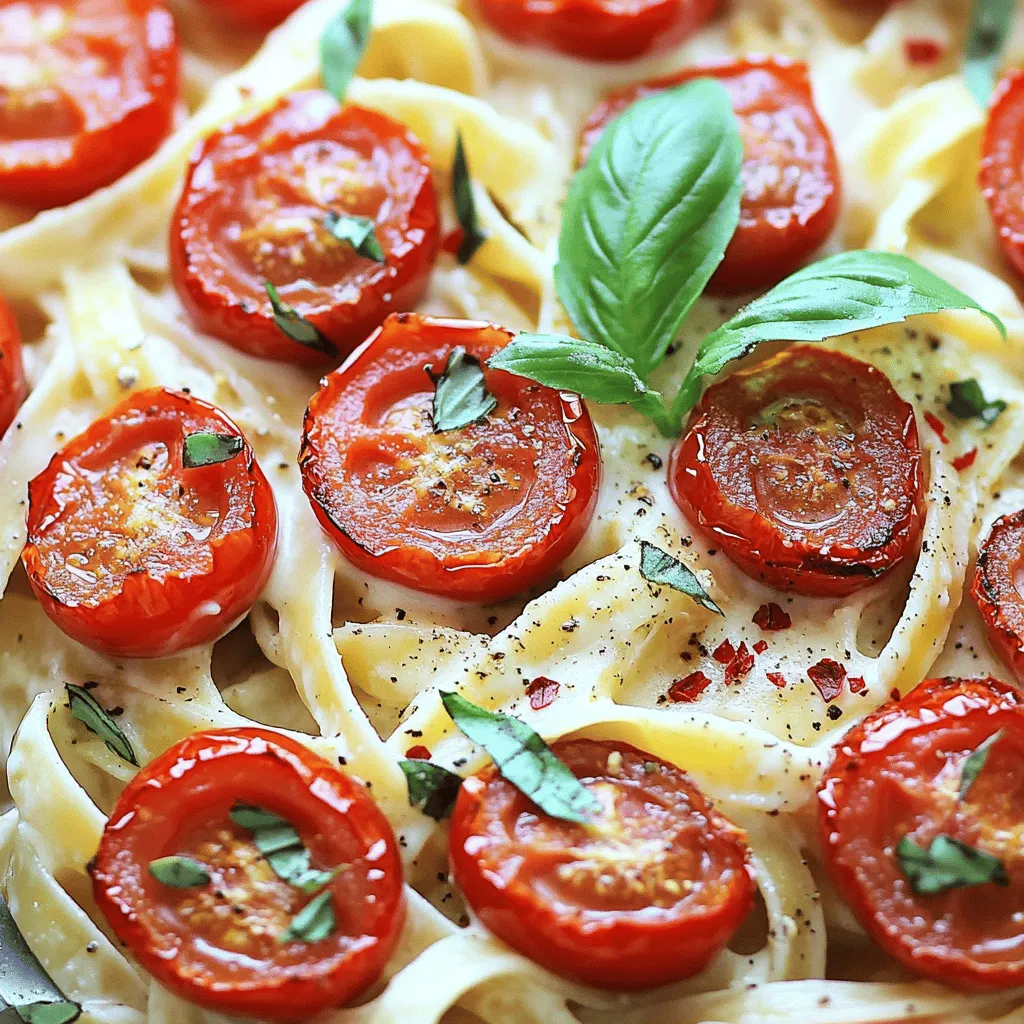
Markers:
<point>792,192</point>
<point>224,944</point>
<point>806,470</point>
<point>255,14</point>
<point>253,210</point>
<point>647,896</point>
<point>87,91</point>
<point>136,556</point>
<point>479,513</point>
<point>1002,166</point>
<point>996,589</point>
<point>12,373</point>
<point>898,775</point>
<point>598,29</point>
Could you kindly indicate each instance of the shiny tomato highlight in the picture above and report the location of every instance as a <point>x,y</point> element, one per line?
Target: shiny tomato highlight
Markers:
<point>647,895</point>
<point>12,371</point>
<point>806,470</point>
<point>898,774</point>
<point>478,514</point>
<point>253,210</point>
<point>792,183</point>
<point>136,556</point>
<point>996,589</point>
<point>223,944</point>
<point>88,91</point>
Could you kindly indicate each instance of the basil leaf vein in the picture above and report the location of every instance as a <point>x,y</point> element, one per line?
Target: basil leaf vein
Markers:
<point>359,232</point>
<point>975,762</point>
<point>661,568</point>
<point>210,449</point>
<point>88,711</point>
<point>179,872</point>
<point>947,864</point>
<point>987,33</point>
<point>460,393</point>
<point>296,327</point>
<point>343,44</point>
<point>314,922</point>
<point>473,236</point>
<point>433,787</point>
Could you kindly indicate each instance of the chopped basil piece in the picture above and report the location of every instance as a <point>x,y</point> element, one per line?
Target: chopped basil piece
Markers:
<point>524,759</point>
<point>465,206</point>
<point>967,401</point>
<point>460,393</point>
<point>87,710</point>
<point>947,864</point>
<point>986,36</point>
<point>432,786</point>
<point>209,449</point>
<point>297,327</point>
<point>314,922</point>
<point>342,45</point>
<point>251,817</point>
<point>49,1013</point>
<point>976,761</point>
<point>660,568</point>
<point>179,872</point>
<point>282,847</point>
<point>359,232</point>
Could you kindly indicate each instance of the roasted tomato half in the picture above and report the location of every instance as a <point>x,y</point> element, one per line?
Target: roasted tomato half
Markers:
<point>806,470</point>
<point>598,29</point>
<point>259,197</point>
<point>478,513</point>
<point>87,91</point>
<point>255,14</point>
<point>137,556</point>
<point>996,589</point>
<point>12,372</point>
<point>920,818</point>
<point>791,178</point>
<point>249,875</point>
<point>646,895</point>
<point>1002,166</point>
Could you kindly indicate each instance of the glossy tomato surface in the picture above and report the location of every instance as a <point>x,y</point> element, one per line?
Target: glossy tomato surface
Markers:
<point>255,14</point>
<point>996,589</point>
<point>136,556</point>
<point>89,92</point>
<point>1002,166</point>
<point>598,29</point>
<point>479,513</point>
<point>791,179</point>
<point>12,372</point>
<point>646,896</point>
<point>223,944</point>
<point>806,470</point>
<point>253,210</point>
<point>898,774</point>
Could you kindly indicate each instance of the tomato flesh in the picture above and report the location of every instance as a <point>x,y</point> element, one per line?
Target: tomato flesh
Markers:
<point>791,178</point>
<point>1002,166</point>
<point>222,944</point>
<point>135,556</point>
<point>255,14</point>
<point>897,774</point>
<point>997,589</point>
<point>12,371</point>
<point>646,896</point>
<point>87,91</point>
<point>806,470</point>
<point>479,513</point>
<point>253,208</point>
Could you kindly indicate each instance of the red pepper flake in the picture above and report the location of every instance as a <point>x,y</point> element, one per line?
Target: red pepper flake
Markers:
<point>452,242</point>
<point>894,694</point>
<point>828,676</point>
<point>857,684</point>
<point>724,653</point>
<point>418,753</point>
<point>542,693</point>
<point>761,646</point>
<point>740,665</point>
<point>771,618</point>
<point>777,678</point>
<point>937,425</point>
<point>686,691</point>
<point>922,50</point>
<point>965,461</point>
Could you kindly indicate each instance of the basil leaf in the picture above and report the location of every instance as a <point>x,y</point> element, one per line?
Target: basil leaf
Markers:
<point>179,872</point>
<point>342,45</point>
<point>853,291</point>
<point>648,218</point>
<point>279,837</point>
<point>24,984</point>
<point>250,817</point>
<point>314,922</point>
<point>967,401</point>
<point>660,568</point>
<point>359,232</point>
<point>947,864</point>
<point>209,449</point>
<point>473,235</point>
<point>432,786</point>
<point>976,762</point>
<point>989,29</point>
<point>524,759</point>
<point>297,327</point>
<point>460,393</point>
<point>87,710</point>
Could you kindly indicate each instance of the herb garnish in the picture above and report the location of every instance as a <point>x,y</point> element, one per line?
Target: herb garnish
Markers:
<point>342,45</point>
<point>432,786</point>
<point>315,921</point>
<point>465,206</point>
<point>295,326</point>
<point>179,872</point>
<point>359,232</point>
<point>967,401</point>
<point>88,711</point>
<point>947,864</point>
<point>976,762</point>
<point>209,449</point>
<point>660,568</point>
<point>986,36</point>
<point>460,393</point>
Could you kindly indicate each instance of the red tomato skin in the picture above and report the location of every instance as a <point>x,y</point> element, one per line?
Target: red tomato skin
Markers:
<point>1000,175</point>
<point>622,951</point>
<point>762,550</point>
<point>12,371</point>
<point>995,591</point>
<point>149,618</point>
<point>215,769</point>
<point>454,574</point>
<point>228,300</point>
<point>259,15</point>
<point>973,709</point>
<point>764,249</point>
<point>47,172</point>
<point>599,30</point>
